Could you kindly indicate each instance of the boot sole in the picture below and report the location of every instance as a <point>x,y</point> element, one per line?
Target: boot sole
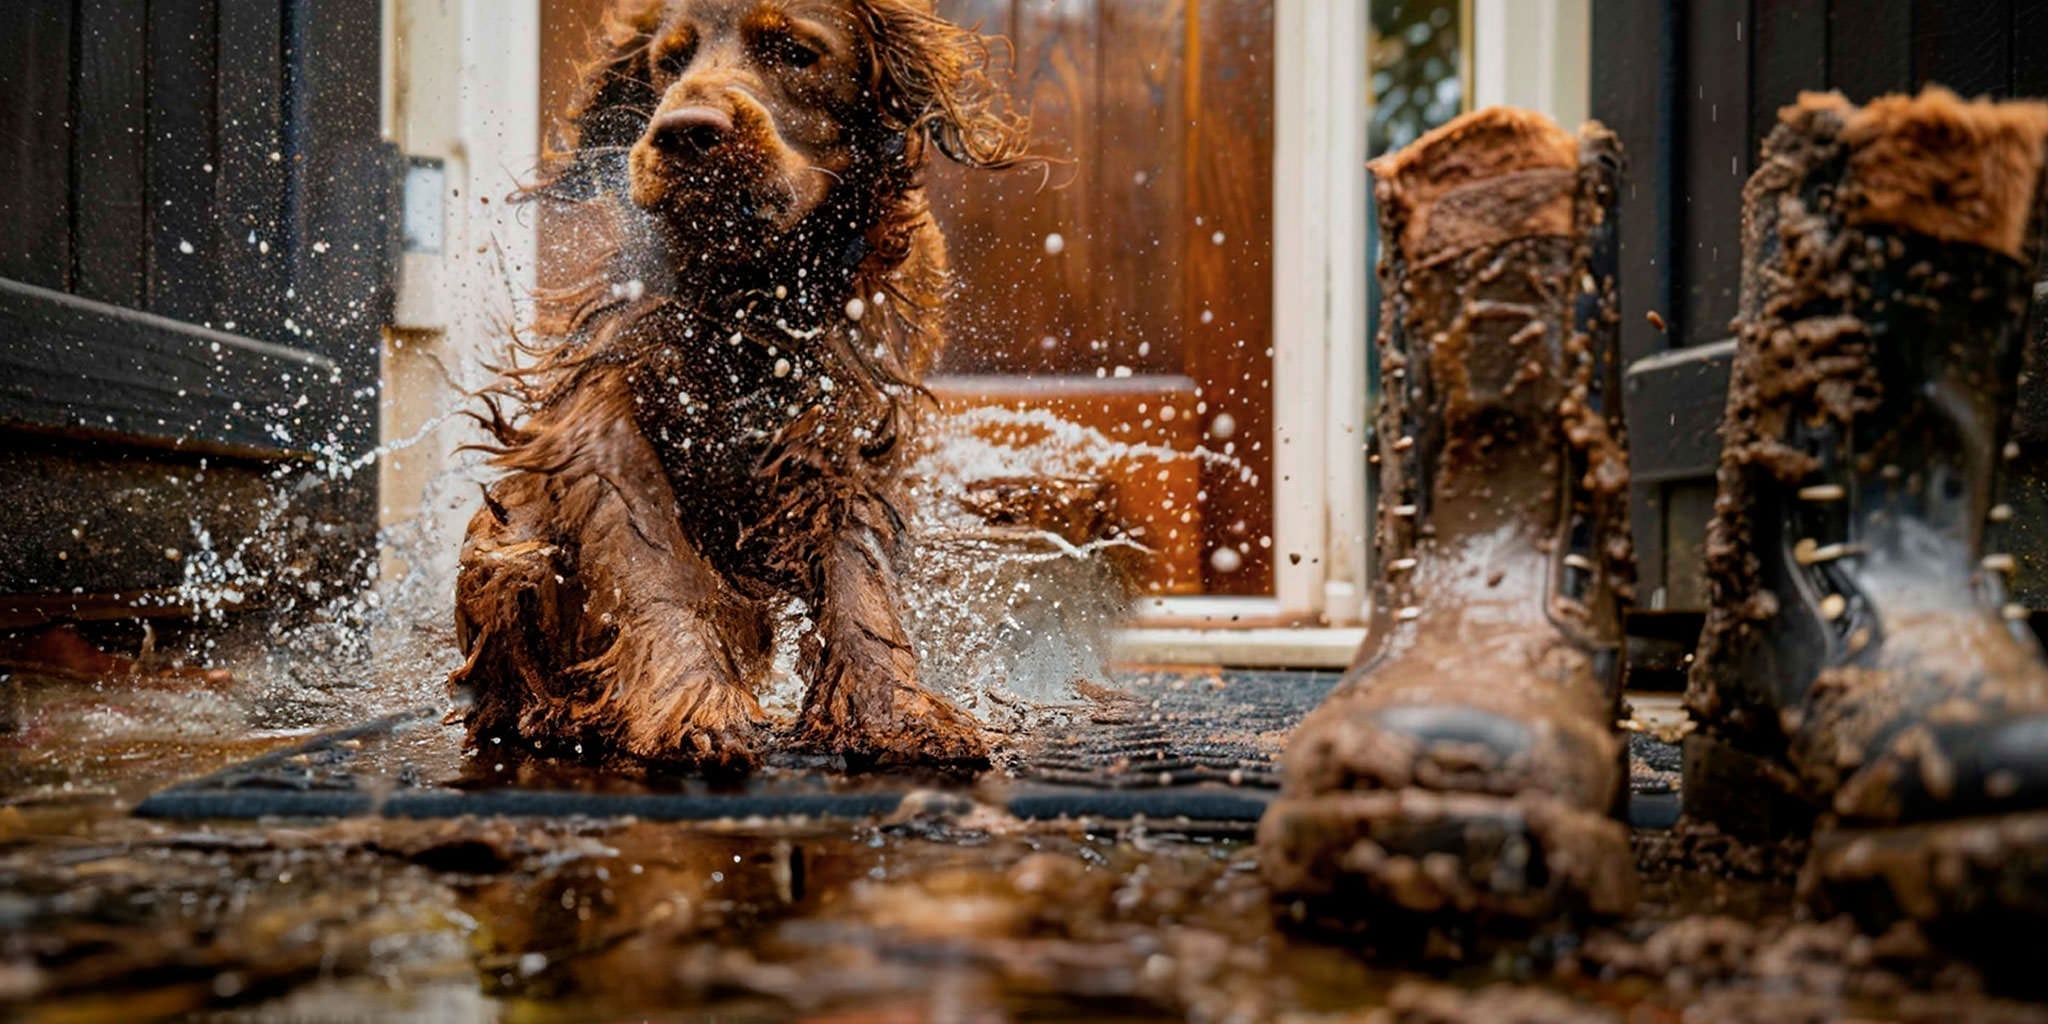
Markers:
<point>1984,878</point>
<point>1970,879</point>
<point>1350,859</point>
<point>1741,793</point>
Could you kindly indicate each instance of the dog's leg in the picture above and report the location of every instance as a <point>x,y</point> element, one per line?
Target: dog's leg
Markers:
<point>678,651</point>
<point>864,700</point>
<point>588,617</point>
<point>515,606</point>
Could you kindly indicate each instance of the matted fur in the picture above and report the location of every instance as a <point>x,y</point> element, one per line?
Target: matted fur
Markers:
<point>713,423</point>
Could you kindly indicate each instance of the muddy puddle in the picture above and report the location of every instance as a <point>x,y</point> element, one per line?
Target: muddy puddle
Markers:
<point>943,911</point>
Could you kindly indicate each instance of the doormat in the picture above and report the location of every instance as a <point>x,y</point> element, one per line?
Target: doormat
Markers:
<point>1171,749</point>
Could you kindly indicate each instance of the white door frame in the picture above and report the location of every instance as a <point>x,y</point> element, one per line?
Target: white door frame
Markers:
<point>1526,53</point>
<point>461,85</point>
<point>1321,522</point>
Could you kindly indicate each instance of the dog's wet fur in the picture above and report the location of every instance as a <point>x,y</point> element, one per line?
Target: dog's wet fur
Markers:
<point>709,430</point>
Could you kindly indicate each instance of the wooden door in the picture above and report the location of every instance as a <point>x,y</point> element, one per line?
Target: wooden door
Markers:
<point>1150,316</point>
<point>1127,286</point>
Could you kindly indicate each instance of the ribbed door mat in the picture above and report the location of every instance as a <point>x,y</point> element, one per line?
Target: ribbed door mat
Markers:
<point>1169,748</point>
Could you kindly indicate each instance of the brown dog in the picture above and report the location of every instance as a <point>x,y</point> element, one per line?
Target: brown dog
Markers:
<point>715,423</point>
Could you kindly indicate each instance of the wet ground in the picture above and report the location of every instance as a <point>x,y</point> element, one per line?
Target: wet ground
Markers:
<point>945,910</point>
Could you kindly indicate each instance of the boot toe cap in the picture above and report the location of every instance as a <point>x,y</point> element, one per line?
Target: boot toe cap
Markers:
<point>1954,770</point>
<point>1448,747</point>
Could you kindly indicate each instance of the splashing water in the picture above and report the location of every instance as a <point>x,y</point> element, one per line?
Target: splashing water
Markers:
<point>1010,619</point>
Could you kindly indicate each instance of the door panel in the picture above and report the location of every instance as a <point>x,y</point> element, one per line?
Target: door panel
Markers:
<point>1155,290</point>
<point>1157,115</point>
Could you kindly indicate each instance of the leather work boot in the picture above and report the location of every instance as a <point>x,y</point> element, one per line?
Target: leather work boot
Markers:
<point>1859,670</point>
<point>1467,767</point>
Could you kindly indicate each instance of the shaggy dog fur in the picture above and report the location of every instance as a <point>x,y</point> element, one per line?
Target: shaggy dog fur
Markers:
<point>714,425</point>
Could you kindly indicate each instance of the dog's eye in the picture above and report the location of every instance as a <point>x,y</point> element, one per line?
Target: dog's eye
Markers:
<point>677,60</point>
<point>785,49</point>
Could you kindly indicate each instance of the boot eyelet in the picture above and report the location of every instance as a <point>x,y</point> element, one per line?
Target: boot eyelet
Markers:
<point>1810,552</point>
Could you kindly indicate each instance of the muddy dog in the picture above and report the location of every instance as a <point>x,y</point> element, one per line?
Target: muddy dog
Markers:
<point>712,427</point>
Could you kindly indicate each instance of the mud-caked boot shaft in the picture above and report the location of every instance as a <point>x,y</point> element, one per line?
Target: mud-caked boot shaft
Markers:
<point>1858,663</point>
<point>1468,762</point>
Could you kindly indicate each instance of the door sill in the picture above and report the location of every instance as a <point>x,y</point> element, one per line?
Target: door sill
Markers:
<point>1238,647</point>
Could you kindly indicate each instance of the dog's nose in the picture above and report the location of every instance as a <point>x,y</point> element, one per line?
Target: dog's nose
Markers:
<point>696,129</point>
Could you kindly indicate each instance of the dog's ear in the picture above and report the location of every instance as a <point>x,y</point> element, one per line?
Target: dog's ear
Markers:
<point>614,98</point>
<point>935,85</point>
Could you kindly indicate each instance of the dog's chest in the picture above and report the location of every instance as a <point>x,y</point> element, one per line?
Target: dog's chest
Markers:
<point>724,406</point>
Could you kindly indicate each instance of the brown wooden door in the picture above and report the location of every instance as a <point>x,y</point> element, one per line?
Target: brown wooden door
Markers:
<point>1150,317</point>
<point>1152,321</point>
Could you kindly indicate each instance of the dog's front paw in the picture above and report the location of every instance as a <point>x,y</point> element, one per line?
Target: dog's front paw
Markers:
<point>899,723</point>
<point>721,732</point>
<point>689,716</point>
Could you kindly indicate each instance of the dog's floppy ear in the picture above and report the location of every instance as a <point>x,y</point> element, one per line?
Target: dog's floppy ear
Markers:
<point>935,85</point>
<point>614,98</point>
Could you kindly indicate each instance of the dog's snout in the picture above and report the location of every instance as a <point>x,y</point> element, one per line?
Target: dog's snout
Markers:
<point>691,129</point>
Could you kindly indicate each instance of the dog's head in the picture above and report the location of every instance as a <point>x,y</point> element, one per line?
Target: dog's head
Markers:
<point>734,121</point>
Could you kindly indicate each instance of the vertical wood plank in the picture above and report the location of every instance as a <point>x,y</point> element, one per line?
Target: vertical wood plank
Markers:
<point>988,252</point>
<point>569,30</point>
<point>340,236</point>
<point>1635,85</point>
<point>183,159</point>
<point>1963,45</point>
<point>1029,311</point>
<point>1135,189</point>
<point>35,142</point>
<point>1718,155</point>
<point>108,193</point>
<point>1870,47</point>
<point>1790,58</point>
<point>1634,92</point>
<point>569,34</point>
<point>1058,58</point>
<point>1227,157</point>
<point>2029,48</point>
<point>250,203</point>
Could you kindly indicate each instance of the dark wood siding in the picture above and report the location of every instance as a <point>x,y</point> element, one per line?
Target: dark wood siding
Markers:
<point>1693,88</point>
<point>198,246</point>
<point>213,162</point>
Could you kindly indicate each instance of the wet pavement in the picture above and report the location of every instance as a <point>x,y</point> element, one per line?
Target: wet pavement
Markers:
<point>947,909</point>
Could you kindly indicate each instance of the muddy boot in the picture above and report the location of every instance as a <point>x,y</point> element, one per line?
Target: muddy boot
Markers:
<point>1467,767</point>
<point>1858,663</point>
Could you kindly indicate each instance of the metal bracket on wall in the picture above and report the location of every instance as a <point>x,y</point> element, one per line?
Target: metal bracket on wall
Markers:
<point>1674,403</point>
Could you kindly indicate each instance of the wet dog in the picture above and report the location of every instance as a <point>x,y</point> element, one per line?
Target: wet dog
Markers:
<point>711,428</point>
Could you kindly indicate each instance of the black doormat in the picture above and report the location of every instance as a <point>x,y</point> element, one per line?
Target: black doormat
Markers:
<point>1194,750</point>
